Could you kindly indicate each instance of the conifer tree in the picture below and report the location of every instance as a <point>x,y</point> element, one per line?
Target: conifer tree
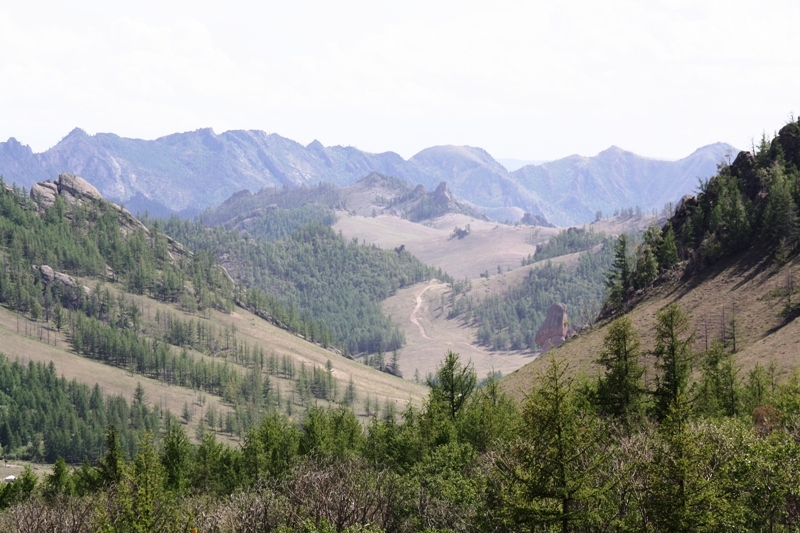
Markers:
<point>175,458</point>
<point>620,390</point>
<point>618,278</point>
<point>551,469</point>
<point>674,357</point>
<point>453,384</point>
<point>668,250</point>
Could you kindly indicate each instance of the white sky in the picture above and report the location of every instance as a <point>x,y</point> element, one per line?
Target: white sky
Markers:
<point>531,80</point>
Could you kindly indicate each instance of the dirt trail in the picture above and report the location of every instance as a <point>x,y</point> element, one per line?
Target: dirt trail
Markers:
<point>413,318</point>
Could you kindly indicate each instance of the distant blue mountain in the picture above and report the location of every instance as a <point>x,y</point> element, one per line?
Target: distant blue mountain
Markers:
<point>186,172</point>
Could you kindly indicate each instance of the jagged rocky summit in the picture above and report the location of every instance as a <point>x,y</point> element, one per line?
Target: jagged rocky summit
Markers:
<point>187,172</point>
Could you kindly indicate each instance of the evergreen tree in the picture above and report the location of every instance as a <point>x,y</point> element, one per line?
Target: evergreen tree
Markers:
<point>112,465</point>
<point>175,458</point>
<point>620,390</point>
<point>718,392</point>
<point>674,357</point>
<point>551,471</point>
<point>668,250</point>
<point>350,395</point>
<point>646,268</point>
<point>618,278</point>
<point>453,384</point>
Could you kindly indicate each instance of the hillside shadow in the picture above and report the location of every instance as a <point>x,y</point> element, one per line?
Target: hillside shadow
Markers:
<point>788,319</point>
<point>747,267</point>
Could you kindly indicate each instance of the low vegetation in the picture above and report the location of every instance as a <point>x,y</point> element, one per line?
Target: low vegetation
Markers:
<point>670,453</point>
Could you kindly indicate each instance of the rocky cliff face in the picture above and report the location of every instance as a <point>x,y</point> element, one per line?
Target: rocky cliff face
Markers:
<point>190,171</point>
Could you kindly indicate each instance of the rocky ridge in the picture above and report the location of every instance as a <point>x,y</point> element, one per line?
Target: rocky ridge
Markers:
<point>186,172</point>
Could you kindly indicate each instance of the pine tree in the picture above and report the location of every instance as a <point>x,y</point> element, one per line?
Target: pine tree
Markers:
<point>175,458</point>
<point>186,415</point>
<point>674,357</point>
<point>112,465</point>
<point>618,278</point>
<point>58,316</point>
<point>453,384</point>
<point>646,268</point>
<point>668,250</point>
<point>551,471</point>
<point>350,395</point>
<point>620,390</point>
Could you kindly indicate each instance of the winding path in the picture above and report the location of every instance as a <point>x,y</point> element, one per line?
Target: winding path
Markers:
<point>413,318</point>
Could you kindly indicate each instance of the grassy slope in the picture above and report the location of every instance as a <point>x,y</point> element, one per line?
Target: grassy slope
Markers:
<point>22,343</point>
<point>489,244</point>
<point>755,288</point>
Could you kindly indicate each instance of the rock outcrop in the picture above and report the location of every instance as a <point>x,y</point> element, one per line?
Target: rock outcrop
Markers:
<point>73,187</point>
<point>69,186</point>
<point>536,220</point>
<point>76,190</point>
<point>44,193</point>
<point>554,331</point>
<point>49,276</point>
<point>65,284</point>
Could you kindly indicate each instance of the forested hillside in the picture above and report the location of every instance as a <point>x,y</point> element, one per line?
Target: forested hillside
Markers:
<point>752,204</point>
<point>319,277</point>
<point>85,276</point>
<point>510,320</point>
<point>45,417</point>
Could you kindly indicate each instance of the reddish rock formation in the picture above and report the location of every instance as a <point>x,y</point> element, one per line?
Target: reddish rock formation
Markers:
<point>554,330</point>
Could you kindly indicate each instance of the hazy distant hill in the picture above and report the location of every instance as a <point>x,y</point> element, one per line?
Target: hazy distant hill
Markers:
<point>574,188</point>
<point>190,171</point>
<point>274,213</point>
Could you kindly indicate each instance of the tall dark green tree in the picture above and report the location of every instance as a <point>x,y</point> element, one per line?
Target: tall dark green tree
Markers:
<point>620,390</point>
<point>618,279</point>
<point>176,458</point>
<point>674,357</point>
<point>667,250</point>
<point>550,472</point>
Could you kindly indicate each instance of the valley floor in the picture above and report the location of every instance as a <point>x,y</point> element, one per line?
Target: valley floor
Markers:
<point>429,334</point>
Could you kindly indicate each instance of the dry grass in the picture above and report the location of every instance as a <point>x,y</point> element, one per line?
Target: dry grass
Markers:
<point>27,340</point>
<point>489,244</point>
<point>432,335</point>
<point>749,286</point>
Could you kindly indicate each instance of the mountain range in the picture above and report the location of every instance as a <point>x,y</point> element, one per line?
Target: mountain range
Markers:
<point>186,172</point>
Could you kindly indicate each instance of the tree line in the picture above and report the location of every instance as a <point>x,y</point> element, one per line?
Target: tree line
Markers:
<point>693,446</point>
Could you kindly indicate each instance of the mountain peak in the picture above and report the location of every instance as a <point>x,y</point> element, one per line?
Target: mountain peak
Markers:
<point>613,150</point>
<point>76,133</point>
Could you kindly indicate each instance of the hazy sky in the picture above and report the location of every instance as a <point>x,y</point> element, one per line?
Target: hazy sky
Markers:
<point>529,80</point>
